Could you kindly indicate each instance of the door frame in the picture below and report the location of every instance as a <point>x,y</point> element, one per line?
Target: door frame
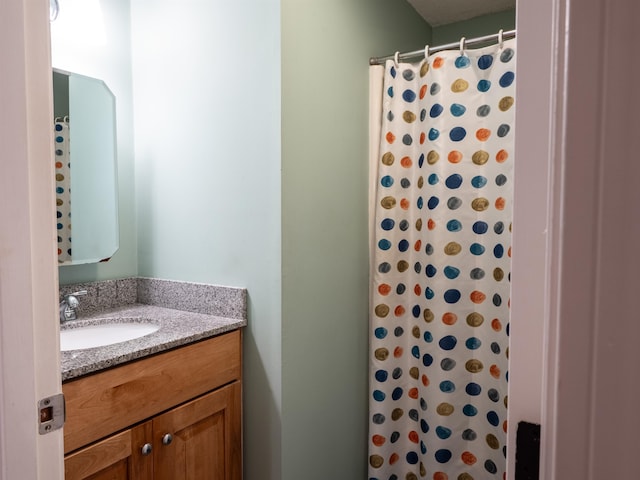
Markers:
<point>29,341</point>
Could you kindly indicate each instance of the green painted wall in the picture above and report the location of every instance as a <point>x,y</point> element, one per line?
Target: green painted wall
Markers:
<point>326,45</point>
<point>207,127</point>
<point>475,27</point>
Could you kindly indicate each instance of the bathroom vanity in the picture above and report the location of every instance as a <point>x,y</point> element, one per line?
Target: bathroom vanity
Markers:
<point>164,406</point>
<point>171,416</point>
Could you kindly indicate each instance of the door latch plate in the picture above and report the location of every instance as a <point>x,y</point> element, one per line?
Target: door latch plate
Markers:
<point>52,413</point>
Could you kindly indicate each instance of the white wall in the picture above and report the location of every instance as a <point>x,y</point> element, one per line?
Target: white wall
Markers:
<point>207,131</point>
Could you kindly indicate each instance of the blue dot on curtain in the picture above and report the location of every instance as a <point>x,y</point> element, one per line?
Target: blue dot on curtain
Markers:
<point>386,181</point>
<point>454,225</point>
<point>384,244</point>
<point>484,85</point>
<point>448,342</point>
<point>428,337</point>
<point>392,71</point>
<point>473,389</point>
<point>390,116</point>
<point>381,375</point>
<point>415,311</point>
<point>388,224</point>
<point>493,418</point>
<point>452,295</point>
<point>453,181</point>
<point>408,95</point>
<point>381,332</point>
<point>462,62</point>
<point>469,410</point>
<point>420,203</point>
<point>480,227</point>
<point>421,160</point>
<point>451,272</point>
<point>433,134</point>
<point>457,134</point>
<point>415,352</point>
<point>428,293</point>
<point>473,343</point>
<point>490,467</point>
<point>379,396</point>
<point>427,360</point>
<point>457,110</point>
<point>390,91</point>
<point>447,386</point>
<point>430,270</point>
<point>436,110</point>
<point>506,79</point>
<point>433,179</point>
<point>424,426</point>
<point>485,61</point>
<point>498,251</point>
<point>58,127</point>
<point>476,249</point>
<point>403,245</point>
<point>412,458</point>
<point>443,455</point>
<point>443,432</point>
<point>478,181</point>
<point>433,203</point>
<point>397,393</point>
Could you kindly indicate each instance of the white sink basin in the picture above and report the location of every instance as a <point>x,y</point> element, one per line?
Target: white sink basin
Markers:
<point>107,332</point>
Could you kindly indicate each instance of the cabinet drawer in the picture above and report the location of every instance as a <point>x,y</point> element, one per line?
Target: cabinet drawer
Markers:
<point>109,401</point>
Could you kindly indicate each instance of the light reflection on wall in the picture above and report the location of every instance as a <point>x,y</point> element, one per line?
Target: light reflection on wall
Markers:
<point>79,22</point>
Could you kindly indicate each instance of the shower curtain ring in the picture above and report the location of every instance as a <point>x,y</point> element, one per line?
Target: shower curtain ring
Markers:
<point>462,44</point>
<point>426,52</point>
<point>500,38</point>
<point>396,59</point>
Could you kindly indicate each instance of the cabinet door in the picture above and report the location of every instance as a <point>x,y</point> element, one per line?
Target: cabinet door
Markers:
<point>117,457</point>
<point>202,438</point>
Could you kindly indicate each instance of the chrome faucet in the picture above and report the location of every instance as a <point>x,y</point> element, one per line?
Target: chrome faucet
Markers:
<point>69,305</point>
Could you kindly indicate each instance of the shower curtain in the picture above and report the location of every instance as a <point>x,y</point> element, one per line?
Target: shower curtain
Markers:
<point>442,133</point>
<point>63,192</point>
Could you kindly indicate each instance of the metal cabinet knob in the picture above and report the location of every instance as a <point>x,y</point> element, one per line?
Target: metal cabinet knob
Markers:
<point>146,449</point>
<point>167,439</point>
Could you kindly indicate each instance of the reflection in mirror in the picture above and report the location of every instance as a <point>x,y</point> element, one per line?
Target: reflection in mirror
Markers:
<point>86,169</point>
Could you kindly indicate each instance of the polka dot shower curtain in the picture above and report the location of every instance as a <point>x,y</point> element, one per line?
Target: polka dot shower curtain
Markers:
<point>441,201</point>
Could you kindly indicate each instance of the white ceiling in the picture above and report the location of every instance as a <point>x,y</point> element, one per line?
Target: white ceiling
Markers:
<point>441,12</point>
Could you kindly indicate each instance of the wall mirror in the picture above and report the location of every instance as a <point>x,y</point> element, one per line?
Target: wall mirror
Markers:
<point>86,169</point>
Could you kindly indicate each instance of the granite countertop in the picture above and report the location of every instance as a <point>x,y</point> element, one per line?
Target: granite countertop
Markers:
<point>177,328</point>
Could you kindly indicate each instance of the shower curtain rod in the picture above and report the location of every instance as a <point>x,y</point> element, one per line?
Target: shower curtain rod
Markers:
<point>467,43</point>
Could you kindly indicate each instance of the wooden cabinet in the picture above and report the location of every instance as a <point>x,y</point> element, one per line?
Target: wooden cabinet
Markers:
<point>118,428</point>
